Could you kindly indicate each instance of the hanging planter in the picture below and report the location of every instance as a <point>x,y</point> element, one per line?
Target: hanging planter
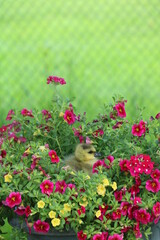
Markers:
<point>56,235</point>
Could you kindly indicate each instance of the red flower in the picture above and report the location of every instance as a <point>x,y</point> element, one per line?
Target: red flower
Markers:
<point>98,164</point>
<point>142,216</point>
<point>13,199</point>
<point>26,112</point>
<point>153,185</point>
<point>110,158</point>
<point>20,210</point>
<point>118,195</point>
<point>156,209</point>
<point>120,110</point>
<point>123,165</point>
<point>143,125</point>
<point>10,113</point>
<point>124,208</point>
<point>98,237</point>
<point>53,156</point>
<point>137,130</point>
<point>3,153</point>
<point>40,226</point>
<point>71,186</point>
<point>69,117</point>
<point>136,231</point>
<point>47,187</point>
<point>157,116</point>
<point>81,210</point>
<point>56,80</point>
<point>117,214</point>
<point>27,211</point>
<point>155,174</point>
<point>117,125</point>
<point>116,237</point>
<point>60,186</point>
<point>98,133</point>
<point>81,235</point>
<point>46,114</point>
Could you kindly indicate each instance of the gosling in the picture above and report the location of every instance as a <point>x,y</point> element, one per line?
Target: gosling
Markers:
<point>83,158</point>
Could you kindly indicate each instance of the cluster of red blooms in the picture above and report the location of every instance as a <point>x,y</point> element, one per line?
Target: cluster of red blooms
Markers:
<point>56,80</point>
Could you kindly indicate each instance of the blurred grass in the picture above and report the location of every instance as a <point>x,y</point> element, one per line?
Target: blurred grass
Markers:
<point>100,48</point>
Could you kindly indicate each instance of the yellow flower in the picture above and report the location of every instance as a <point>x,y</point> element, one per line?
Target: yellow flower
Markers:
<point>62,212</point>
<point>61,114</point>
<point>80,221</point>
<point>67,207</point>
<point>84,204</point>
<point>36,133</point>
<point>56,222</point>
<point>101,190</point>
<point>42,148</point>
<point>98,213</point>
<point>52,214</point>
<point>114,186</point>
<point>105,182</point>
<point>41,204</point>
<point>87,177</point>
<point>8,178</point>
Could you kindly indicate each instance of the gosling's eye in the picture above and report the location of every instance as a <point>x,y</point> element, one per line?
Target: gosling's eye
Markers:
<point>90,152</point>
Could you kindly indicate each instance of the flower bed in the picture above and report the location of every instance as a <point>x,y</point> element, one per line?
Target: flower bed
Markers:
<point>120,200</point>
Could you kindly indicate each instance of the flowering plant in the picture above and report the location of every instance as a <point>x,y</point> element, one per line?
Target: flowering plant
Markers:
<point>121,198</point>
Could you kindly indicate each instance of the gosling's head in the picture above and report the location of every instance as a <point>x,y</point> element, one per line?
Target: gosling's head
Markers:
<point>85,152</point>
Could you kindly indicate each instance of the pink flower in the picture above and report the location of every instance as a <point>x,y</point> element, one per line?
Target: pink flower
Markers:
<point>47,187</point>
<point>117,125</point>
<point>53,156</point>
<point>124,208</point>
<point>98,133</point>
<point>81,235</point>
<point>13,199</point>
<point>110,158</point>
<point>117,214</point>
<point>156,209</point>
<point>56,80</point>
<point>46,114</point>
<point>26,112</point>
<point>120,110</point>
<point>40,226</point>
<point>10,114</point>
<point>60,186</point>
<point>136,231</point>
<point>20,210</point>
<point>116,237</point>
<point>98,164</point>
<point>82,210</point>
<point>71,186</point>
<point>153,185</point>
<point>155,174</point>
<point>157,116</point>
<point>69,117</point>
<point>118,195</point>
<point>123,165</point>
<point>27,211</point>
<point>142,216</point>
<point>137,130</point>
<point>137,200</point>
<point>143,125</point>
<point>3,153</point>
<point>98,237</point>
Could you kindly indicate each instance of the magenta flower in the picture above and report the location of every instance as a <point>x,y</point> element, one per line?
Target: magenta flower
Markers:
<point>116,237</point>
<point>46,114</point>
<point>27,211</point>
<point>69,117</point>
<point>110,158</point>
<point>40,226</point>
<point>20,210</point>
<point>156,209</point>
<point>82,210</point>
<point>13,199</point>
<point>26,112</point>
<point>143,125</point>
<point>98,133</point>
<point>136,231</point>
<point>137,130</point>
<point>81,235</point>
<point>153,185</point>
<point>53,156</point>
<point>56,80</point>
<point>118,195</point>
<point>71,186</point>
<point>98,164</point>
<point>117,214</point>
<point>117,125</point>
<point>155,174</point>
<point>142,216</point>
<point>10,114</point>
<point>60,186</point>
<point>47,187</point>
<point>98,237</point>
<point>120,110</point>
<point>124,208</point>
<point>157,116</point>
<point>123,165</point>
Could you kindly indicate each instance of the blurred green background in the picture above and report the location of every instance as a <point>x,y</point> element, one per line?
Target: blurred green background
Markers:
<point>101,48</point>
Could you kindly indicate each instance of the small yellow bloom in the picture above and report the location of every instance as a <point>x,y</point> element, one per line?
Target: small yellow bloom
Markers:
<point>62,212</point>
<point>56,222</point>
<point>101,190</point>
<point>87,177</point>
<point>61,114</point>
<point>8,178</point>
<point>84,199</point>
<point>114,186</point>
<point>52,214</point>
<point>80,221</point>
<point>105,182</point>
<point>42,148</point>
<point>67,207</point>
<point>28,150</point>
<point>36,133</point>
<point>41,204</point>
<point>98,213</point>
<point>84,204</point>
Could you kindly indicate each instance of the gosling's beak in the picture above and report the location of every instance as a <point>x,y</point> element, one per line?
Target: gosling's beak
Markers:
<point>97,154</point>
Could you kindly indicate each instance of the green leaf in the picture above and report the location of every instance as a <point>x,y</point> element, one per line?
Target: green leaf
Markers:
<point>6,230</point>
